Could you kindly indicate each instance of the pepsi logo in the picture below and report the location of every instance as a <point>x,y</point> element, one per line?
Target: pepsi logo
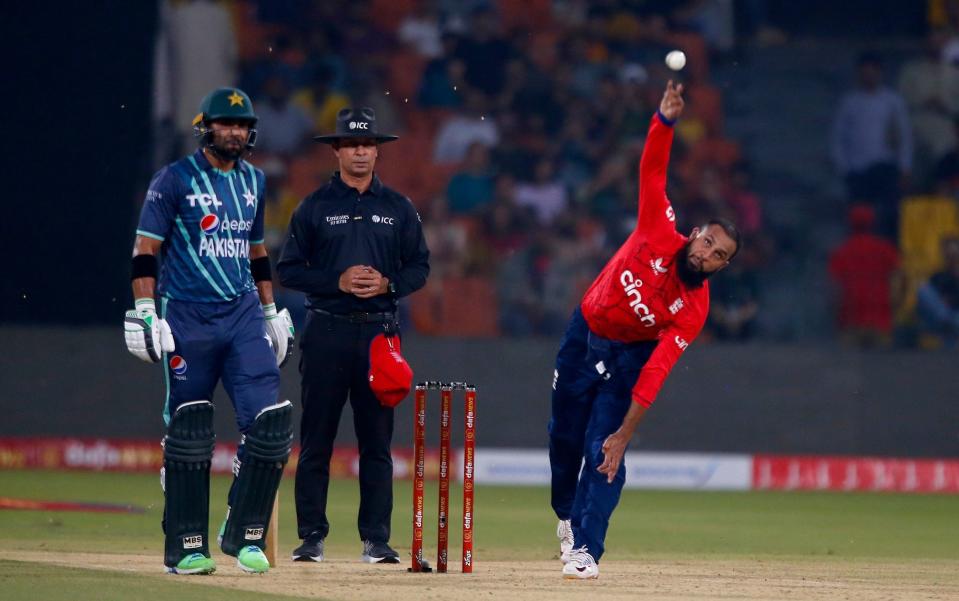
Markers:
<point>178,365</point>
<point>209,223</point>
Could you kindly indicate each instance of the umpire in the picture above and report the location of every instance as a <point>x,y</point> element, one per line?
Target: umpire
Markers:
<point>354,247</point>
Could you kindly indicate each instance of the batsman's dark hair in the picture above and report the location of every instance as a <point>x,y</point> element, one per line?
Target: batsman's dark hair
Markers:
<point>731,230</point>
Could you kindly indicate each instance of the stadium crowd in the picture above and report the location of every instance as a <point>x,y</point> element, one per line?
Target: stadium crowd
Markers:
<point>897,273</point>
<point>521,125</point>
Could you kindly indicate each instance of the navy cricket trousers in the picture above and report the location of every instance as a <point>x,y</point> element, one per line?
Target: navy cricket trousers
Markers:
<point>592,387</point>
<point>220,341</point>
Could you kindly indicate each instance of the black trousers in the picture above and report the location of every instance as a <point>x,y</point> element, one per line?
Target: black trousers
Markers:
<point>334,365</point>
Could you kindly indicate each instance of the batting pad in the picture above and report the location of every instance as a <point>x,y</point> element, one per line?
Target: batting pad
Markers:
<point>266,448</point>
<point>187,452</point>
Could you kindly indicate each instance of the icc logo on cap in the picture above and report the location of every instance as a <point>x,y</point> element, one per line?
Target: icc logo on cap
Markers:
<point>178,365</point>
<point>209,223</point>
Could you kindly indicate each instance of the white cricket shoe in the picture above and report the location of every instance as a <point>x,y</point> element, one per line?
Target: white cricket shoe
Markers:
<point>580,566</point>
<point>564,532</point>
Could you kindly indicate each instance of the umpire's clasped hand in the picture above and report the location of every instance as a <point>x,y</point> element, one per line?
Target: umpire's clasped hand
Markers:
<point>363,281</point>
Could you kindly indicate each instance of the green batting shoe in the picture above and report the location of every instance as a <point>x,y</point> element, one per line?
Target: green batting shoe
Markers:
<point>252,560</point>
<point>194,563</point>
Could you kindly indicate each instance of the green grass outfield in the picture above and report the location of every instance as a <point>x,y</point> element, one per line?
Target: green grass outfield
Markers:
<point>512,523</point>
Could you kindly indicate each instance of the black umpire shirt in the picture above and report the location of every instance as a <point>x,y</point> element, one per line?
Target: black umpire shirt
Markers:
<point>335,228</point>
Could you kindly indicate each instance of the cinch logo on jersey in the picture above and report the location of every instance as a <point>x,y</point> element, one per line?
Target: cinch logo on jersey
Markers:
<point>681,343</point>
<point>178,365</point>
<point>631,287</point>
<point>224,247</point>
<point>209,224</point>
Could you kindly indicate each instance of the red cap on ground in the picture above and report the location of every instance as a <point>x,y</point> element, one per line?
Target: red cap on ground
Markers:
<point>391,377</point>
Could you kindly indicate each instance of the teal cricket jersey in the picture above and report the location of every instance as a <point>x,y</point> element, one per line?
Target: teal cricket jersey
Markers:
<point>207,220</point>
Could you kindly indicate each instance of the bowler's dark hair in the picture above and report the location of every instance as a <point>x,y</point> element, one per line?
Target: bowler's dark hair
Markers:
<point>731,230</point>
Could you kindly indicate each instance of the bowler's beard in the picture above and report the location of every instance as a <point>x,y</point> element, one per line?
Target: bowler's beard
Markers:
<point>687,275</point>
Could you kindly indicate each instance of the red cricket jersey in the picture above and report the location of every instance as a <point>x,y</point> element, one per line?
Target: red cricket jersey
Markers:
<point>638,295</point>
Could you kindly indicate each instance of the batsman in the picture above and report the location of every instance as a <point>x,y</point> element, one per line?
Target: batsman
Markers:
<point>636,319</point>
<point>216,321</point>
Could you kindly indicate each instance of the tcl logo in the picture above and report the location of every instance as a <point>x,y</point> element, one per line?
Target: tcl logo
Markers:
<point>204,200</point>
<point>631,286</point>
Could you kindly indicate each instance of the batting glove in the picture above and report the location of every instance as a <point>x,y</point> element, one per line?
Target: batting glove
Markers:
<point>279,329</point>
<point>147,336</point>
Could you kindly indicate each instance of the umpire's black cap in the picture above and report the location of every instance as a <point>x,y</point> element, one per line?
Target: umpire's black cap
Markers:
<point>356,123</point>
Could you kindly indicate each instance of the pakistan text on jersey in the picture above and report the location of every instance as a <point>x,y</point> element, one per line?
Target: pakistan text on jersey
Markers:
<point>211,247</point>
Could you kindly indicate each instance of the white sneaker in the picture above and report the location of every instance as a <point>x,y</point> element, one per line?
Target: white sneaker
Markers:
<point>581,565</point>
<point>564,532</point>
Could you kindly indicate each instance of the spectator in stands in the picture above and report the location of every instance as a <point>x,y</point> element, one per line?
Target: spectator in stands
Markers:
<point>444,78</point>
<point>922,86</point>
<point>734,303</point>
<point>743,201</point>
<point>420,30</point>
<point>946,173</point>
<point>714,19</point>
<point>585,71</point>
<point>471,188</point>
<point>632,109</point>
<point>950,72</point>
<point>708,199</point>
<point>872,144</point>
<point>285,57</point>
<point>577,153</point>
<point>365,89</point>
<point>545,195</point>
<point>320,101</point>
<point>505,226</point>
<point>938,298</point>
<point>612,197</point>
<point>460,131</point>
<point>519,287</point>
<point>865,270</point>
<point>484,52</point>
<point>195,50</point>
<point>283,127</point>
